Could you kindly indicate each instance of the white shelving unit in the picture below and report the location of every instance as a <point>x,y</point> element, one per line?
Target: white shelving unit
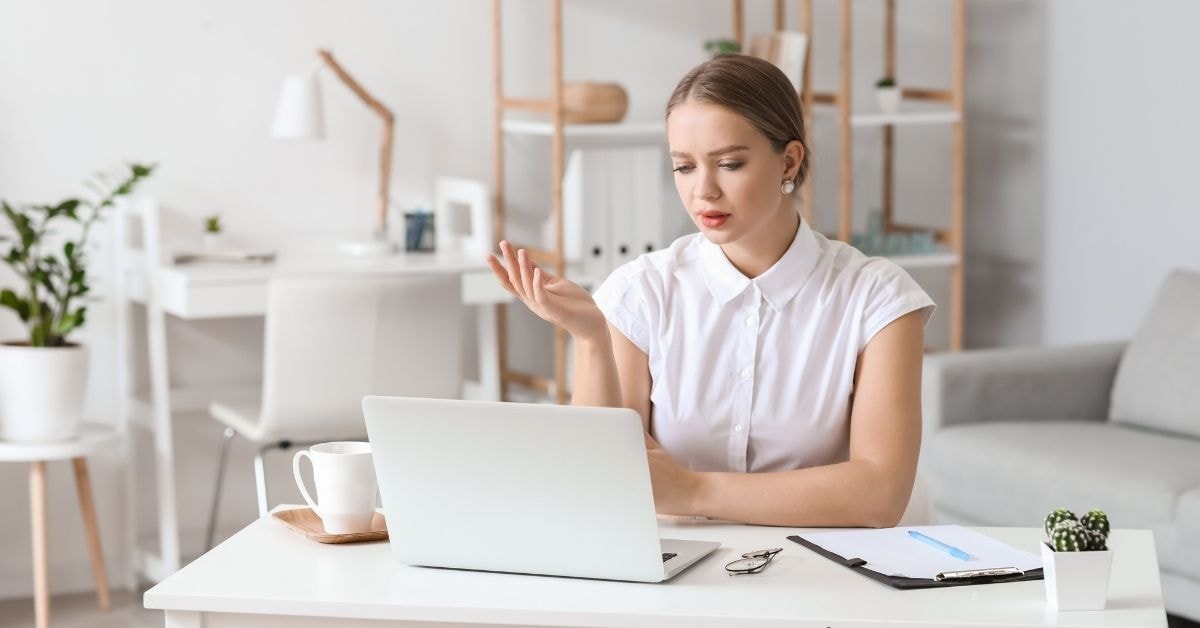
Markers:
<point>925,107</point>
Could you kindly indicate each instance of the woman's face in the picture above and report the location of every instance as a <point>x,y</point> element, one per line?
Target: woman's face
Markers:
<point>726,172</point>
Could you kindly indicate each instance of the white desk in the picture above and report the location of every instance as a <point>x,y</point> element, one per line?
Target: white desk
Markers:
<point>266,575</point>
<point>224,291</point>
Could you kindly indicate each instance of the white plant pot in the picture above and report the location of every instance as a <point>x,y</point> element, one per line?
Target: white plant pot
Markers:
<point>213,242</point>
<point>1076,581</point>
<point>41,392</point>
<point>888,99</point>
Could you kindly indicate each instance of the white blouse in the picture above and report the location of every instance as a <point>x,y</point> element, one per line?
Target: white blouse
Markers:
<point>755,374</point>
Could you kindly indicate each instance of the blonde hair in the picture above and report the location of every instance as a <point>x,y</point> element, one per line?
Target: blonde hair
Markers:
<point>755,90</point>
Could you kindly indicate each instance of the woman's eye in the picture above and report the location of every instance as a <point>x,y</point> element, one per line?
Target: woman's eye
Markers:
<point>731,165</point>
<point>683,169</point>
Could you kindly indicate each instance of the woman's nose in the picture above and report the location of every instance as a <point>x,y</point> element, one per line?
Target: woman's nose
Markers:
<point>706,189</point>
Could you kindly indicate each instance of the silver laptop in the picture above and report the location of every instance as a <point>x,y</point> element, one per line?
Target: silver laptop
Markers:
<point>522,488</point>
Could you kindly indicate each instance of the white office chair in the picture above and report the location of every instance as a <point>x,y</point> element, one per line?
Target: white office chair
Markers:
<point>329,341</point>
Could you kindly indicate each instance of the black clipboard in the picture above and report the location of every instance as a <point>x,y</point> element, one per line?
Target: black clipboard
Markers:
<point>901,582</point>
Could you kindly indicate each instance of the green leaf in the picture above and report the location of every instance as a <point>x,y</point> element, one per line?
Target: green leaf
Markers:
<point>71,321</point>
<point>142,170</point>
<point>28,235</point>
<point>37,336</point>
<point>65,208</point>
<point>9,299</point>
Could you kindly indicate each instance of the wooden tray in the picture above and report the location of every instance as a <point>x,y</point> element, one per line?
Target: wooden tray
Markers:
<point>305,521</point>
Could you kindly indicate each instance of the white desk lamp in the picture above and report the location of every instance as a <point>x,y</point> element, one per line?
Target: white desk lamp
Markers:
<point>300,116</point>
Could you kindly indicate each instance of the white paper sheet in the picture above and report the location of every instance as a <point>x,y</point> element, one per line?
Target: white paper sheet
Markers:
<point>891,551</point>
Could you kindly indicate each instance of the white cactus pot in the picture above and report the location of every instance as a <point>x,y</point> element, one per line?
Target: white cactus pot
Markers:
<point>41,392</point>
<point>213,242</point>
<point>1076,581</point>
<point>888,99</point>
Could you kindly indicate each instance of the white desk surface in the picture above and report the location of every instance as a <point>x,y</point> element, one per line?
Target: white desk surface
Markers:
<point>215,290</point>
<point>299,261</point>
<point>266,571</point>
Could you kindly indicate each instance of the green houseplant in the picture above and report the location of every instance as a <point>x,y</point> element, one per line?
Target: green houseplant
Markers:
<point>1076,560</point>
<point>716,47</point>
<point>43,375</point>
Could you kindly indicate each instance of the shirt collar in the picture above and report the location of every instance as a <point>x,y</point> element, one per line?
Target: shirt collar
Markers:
<point>779,284</point>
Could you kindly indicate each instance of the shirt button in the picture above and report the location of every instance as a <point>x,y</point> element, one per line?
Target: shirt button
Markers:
<point>737,428</point>
<point>750,322</point>
<point>745,373</point>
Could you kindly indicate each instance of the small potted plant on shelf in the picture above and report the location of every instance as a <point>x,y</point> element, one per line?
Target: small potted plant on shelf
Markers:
<point>716,47</point>
<point>1076,560</point>
<point>43,376</point>
<point>213,239</point>
<point>887,95</point>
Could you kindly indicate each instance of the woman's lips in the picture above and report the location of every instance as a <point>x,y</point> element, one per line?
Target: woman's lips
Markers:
<point>713,220</point>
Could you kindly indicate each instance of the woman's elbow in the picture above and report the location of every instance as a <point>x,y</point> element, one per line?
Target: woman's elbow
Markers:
<point>888,505</point>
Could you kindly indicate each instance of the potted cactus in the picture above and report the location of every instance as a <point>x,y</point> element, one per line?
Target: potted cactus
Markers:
<point>1076,560</point>
<point>887,95</point>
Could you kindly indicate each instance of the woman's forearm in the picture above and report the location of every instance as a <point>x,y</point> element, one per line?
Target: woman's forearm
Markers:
<point>856,493</point>
<point>596,382</point>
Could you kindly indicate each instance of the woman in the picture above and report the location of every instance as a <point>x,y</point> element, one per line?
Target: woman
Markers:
<point>777,372</point>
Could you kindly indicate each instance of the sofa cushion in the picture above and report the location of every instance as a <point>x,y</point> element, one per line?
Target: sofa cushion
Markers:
<point>1156,382</point>
<point>1013,473</point>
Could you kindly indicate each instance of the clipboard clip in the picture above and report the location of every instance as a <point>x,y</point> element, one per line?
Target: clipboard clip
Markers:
<point>978,573</point>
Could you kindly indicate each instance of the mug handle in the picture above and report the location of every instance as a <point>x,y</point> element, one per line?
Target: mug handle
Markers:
<point>300,480</point>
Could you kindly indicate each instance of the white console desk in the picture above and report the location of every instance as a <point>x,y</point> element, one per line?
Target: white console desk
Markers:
<point>208,291</point>
<point>267,575</point>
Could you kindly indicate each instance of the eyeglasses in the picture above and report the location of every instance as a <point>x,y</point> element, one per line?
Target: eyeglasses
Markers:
<point>752,562</point>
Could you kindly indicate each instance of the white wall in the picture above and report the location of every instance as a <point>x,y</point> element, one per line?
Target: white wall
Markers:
<point>1122,207</point>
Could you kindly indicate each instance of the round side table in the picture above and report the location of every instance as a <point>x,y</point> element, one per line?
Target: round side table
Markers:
<point>90,440</point>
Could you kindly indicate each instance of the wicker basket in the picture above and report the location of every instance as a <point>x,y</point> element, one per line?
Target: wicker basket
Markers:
<point>594,102</point>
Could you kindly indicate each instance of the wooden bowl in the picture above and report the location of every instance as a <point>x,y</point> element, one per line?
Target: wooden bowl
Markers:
<point>594,102</point>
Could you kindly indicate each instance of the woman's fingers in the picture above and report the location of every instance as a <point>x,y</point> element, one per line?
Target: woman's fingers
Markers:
<point>526,272</point>
<point>510,265</point>
<point>539,288</point>
<point>501,274</point>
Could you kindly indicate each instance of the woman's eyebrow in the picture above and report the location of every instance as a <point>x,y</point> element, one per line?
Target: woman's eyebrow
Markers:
<point>720,151</point>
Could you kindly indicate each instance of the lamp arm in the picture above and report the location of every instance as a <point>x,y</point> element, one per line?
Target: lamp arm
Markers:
<point>385,156</point>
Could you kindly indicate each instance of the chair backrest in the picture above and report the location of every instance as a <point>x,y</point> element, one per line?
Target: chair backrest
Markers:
<point>333,339</point>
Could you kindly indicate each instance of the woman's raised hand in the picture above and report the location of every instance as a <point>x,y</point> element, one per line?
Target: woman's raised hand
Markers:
<point>554,299</point>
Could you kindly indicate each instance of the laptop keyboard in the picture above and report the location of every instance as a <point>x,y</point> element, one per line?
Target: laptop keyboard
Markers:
<point>668,556</point>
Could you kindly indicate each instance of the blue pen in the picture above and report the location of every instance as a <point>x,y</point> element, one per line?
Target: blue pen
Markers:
<point>953,551</point>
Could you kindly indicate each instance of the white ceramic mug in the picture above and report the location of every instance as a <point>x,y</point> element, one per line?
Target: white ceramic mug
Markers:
<point>346,486</point>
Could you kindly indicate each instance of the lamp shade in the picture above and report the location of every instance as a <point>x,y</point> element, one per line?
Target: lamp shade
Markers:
<point>299,115</point>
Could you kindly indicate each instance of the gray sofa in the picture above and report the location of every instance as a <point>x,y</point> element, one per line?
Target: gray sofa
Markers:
<point>1012,433</point>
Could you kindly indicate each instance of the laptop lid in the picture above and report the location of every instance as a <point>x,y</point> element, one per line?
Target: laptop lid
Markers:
<point>527,488</point>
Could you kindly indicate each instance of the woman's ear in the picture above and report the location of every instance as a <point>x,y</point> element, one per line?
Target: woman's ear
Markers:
<point>793,156</point>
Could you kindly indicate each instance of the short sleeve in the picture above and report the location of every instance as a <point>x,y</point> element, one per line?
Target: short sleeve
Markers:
<point>892,294</point>
<point>622,299</point>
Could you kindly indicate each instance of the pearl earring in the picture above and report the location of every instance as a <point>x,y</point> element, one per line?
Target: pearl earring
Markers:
<point>788,186</point>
